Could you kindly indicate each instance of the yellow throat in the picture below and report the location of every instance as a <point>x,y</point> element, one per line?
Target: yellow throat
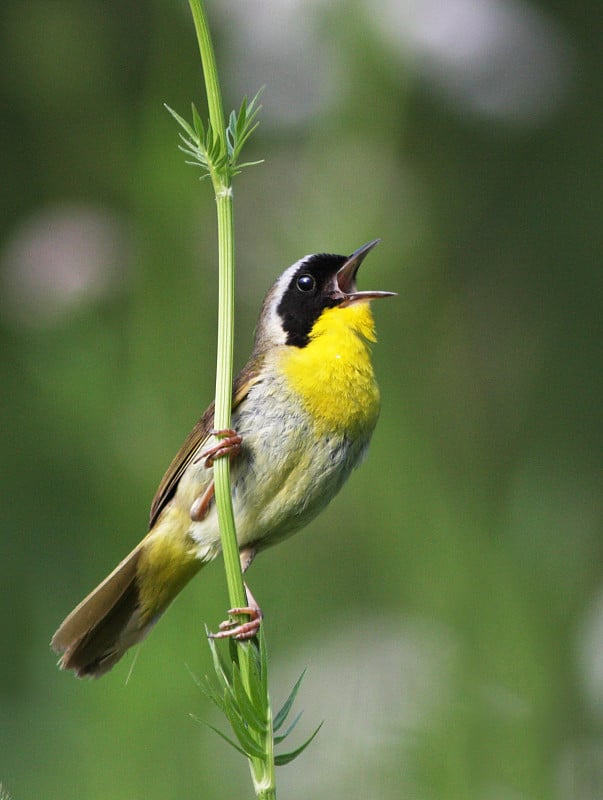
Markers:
<point>333,374</point>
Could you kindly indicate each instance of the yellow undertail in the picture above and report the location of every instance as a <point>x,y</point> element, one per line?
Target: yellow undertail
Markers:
<point>121,611</point>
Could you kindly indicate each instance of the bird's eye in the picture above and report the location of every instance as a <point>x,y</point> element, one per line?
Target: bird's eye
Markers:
<point>305,283</point>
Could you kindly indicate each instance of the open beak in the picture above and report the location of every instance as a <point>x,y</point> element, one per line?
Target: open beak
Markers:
<point>346,277</point>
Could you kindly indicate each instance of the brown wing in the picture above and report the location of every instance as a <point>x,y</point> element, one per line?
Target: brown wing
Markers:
<point>248,376</point>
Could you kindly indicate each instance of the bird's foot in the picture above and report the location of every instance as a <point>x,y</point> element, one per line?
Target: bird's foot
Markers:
<point>200,507</point>
<point>229,445</point>
<point>241,631</point>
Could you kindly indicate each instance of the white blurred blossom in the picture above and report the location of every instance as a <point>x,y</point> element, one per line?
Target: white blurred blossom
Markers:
<point>60,259</point>
<point>499,58</point>
<point>502,59</point>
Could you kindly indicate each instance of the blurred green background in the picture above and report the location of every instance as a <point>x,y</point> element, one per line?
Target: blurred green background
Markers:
<point>449,604</point>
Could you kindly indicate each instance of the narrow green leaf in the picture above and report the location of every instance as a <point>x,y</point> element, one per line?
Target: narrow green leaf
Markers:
<point>233,650</point>
<point>206,686</point>
<point>254,715</point>
<point>240,128</point>
<point>239,124</point>
<point>263,662</point>
<point>198,123</point>
<point>215,150</point>
<point>256,692</point>
<point>254,107</point>
<point>186,143</point>
<point>240,167</point>
<point>217,661</point>
<point>239,725</point>
<point>283,736</point>
<point>227,739</point>
<point>231,135</point>
<point>181,121</point>
<point>286,758</point>
<point>191,149</point>
<point>212,693</point>
<point>220,669</point>
<point>208,143</point>
<point>243,108</point>
<point>242,141</point>
<point>240,730</point>
<point>286,707</point>
<point>258,699</point>
<point>194,676</point>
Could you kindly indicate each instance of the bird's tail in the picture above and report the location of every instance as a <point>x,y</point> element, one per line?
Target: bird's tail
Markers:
<point>122,609</point>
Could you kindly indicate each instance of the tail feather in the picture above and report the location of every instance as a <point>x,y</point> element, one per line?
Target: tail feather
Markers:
<point>105,624</point>
<point>125,606</point>
<point>102,627</point>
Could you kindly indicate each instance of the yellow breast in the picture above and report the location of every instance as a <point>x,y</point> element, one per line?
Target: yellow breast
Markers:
<point>333,375</point>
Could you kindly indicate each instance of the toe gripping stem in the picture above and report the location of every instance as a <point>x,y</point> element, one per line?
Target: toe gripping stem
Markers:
<point>229,445</point>
<point>241,631</point>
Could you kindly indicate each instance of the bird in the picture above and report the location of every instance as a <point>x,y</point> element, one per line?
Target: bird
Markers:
<point>303,412</point>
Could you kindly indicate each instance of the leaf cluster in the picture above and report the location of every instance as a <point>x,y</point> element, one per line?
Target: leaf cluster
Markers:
<point>248,708</point>
<point>216,154</point>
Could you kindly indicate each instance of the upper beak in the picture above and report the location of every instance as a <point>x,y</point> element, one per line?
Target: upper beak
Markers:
<point>346,277</point>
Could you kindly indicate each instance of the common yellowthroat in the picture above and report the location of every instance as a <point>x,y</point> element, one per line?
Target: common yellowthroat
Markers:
<point>303,412</point>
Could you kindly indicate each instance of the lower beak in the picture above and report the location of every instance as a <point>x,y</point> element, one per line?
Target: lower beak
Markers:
<point>346,277</point>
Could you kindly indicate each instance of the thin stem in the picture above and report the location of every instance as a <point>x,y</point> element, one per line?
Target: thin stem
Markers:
<point>221,169</point>
<point>267,794</point>
<point>222,187</point>
<point>234,578</point>
<point>210,71</point>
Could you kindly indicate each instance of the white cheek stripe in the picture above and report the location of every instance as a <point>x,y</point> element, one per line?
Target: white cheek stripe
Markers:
<point>272,323</point>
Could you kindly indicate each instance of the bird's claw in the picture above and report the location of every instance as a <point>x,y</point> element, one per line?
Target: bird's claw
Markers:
<point>200,507</point>
<point>229,445</point>
<point>241,631</point>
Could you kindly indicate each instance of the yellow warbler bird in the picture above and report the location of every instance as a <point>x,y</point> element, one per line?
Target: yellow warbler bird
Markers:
<point>303,412</point>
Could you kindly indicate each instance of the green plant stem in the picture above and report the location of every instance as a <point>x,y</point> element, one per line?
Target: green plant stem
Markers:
<point>210,72</point>
<point>262,768</point>
<point>223,403</point>
<point>221,181</point>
